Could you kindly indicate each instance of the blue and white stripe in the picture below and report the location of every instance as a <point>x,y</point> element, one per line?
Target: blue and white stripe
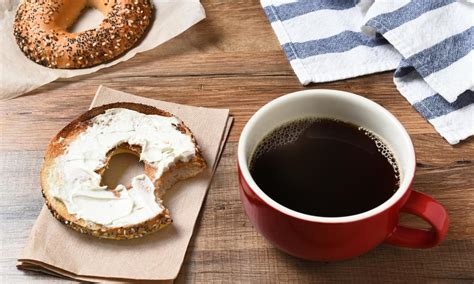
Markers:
<point>321,49</point>
<point>430,43</point>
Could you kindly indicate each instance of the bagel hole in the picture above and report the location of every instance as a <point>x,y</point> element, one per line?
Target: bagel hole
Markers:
<point>121,169</point>
<point>89,18</point>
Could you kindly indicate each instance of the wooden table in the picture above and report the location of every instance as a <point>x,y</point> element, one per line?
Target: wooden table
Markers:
<point>233,60</point>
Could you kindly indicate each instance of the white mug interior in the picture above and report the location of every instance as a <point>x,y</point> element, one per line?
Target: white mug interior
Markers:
<point>334,104</point>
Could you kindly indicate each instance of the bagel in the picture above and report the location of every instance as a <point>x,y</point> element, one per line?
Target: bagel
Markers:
<point>77,157</point>
<point>41,31</point>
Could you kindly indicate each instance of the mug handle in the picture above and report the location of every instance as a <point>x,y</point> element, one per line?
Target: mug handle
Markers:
<point>429,210</point>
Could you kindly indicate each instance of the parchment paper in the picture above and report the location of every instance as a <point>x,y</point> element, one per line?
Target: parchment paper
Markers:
<point>55,249</point>
<point>18,74</point>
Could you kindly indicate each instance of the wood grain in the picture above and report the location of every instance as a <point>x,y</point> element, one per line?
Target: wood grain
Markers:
<point>226,246</point>
<point>233,60</point>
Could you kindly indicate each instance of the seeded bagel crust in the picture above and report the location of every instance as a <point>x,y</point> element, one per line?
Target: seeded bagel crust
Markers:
<point>178,171</point>
<point>41,31</point>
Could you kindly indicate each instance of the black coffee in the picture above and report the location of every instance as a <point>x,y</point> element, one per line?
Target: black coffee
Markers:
<point>325,167</point>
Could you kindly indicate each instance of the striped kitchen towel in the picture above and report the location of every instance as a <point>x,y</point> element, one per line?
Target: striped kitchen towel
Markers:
<point>429,43</point>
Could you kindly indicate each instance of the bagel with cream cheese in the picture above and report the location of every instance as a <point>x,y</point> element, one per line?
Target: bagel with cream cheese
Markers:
<point>41,31</point>
<point>78,155</point>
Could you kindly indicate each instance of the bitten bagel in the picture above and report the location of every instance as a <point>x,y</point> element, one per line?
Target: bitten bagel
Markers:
<point>79,154</point>
<point>41,31</point>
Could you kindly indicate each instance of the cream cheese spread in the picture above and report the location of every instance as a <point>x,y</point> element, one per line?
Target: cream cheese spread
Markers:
<point>76,183</point>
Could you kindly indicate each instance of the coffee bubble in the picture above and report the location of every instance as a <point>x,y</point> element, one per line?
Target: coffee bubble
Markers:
<point>383,149</point>
<point>284,134</point>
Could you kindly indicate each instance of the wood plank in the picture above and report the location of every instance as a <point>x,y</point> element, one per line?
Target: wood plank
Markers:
<point>383,265</point>
<point>20,170</point>
<point>28,122</point>
<point>226,246</point>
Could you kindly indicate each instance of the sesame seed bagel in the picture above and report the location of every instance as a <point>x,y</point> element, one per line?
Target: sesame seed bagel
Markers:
<point>41,31</point>
<point>56,175</point>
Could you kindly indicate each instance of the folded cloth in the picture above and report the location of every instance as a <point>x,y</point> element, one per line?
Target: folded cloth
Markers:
<point>55,249</point>
<point>429,43</point>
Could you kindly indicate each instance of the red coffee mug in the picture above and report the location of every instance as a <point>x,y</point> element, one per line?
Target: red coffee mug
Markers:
<point>337,238</point>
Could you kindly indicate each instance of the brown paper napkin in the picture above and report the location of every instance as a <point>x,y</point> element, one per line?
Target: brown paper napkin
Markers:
<point>55,249</point>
